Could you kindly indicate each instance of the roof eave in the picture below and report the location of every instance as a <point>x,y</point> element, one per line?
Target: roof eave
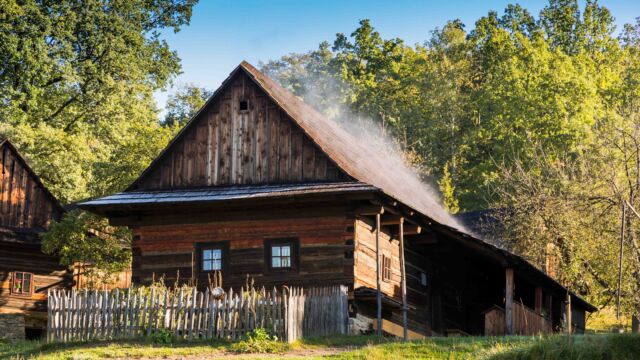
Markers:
<point>509,258</point>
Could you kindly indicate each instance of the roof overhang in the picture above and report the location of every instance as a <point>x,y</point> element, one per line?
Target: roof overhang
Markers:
<point>498,255</point>
<point>227,194</point>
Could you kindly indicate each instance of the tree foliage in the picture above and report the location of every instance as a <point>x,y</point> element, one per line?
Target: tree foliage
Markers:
<point>76,88</point>
<point>77,80</point>
<point>183,104</point>
<point>536,116</point>
<point>82,237</point>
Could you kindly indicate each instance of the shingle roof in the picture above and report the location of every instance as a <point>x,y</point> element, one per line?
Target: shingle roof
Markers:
<point>213,194</point>
<point>351,154</point>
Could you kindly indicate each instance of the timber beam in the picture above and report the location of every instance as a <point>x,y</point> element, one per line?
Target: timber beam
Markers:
<point>391,219</point>
<point>409,229</point>
<point>370,210</point>
<point>393,213</point>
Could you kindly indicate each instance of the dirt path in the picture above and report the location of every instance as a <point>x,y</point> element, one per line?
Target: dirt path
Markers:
<point>298,353</point>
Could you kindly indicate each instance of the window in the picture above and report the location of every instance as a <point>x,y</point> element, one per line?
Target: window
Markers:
<point>423,279</point>
<point>244,105</point>
<point>211,259</point>
<point>22,283</point>
<point>386,268</point>
<point>212,256</point>
<point>281,254</point>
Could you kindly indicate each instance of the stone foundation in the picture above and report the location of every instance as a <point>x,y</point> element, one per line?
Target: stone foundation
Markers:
<point>11,326</point>
<point>360,324</point>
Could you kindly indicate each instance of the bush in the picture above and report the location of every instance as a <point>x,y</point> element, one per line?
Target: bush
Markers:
<point>259,341</point>
<point>162,337</point>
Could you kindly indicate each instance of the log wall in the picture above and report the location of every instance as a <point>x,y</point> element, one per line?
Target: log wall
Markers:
<point>325,243</point>
<point>26,209</point>
<point>47,274</point>
<point>228,146</point>
<point>365,272</point>
<point>365,263</point>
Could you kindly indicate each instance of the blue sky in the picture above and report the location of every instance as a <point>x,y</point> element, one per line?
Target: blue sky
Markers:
<point>223,32</point>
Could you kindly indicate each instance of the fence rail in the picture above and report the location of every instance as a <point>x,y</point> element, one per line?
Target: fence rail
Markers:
<point>288,314</point>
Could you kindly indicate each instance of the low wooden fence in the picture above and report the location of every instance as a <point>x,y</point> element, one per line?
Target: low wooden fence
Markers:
<point>525,321</point>
<point>289,314</point>
<point>528,322</point>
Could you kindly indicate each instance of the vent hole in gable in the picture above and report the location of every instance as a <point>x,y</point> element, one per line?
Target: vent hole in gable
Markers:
<point>244,105</point>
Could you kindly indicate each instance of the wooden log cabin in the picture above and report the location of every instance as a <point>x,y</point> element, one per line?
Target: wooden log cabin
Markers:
<point>260,184</point>
<point>26,274</point>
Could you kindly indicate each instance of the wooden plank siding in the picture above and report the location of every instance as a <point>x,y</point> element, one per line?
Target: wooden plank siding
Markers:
<point>47,273</point>
<point>163,251</point>
<point>365,263</point>
<point>26,209</point>
<point>24,202</point>
<point>365,273</point>
<point>227,146</point>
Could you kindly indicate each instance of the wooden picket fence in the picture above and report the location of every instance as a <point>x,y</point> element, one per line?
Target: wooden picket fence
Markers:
<point>289,314</point>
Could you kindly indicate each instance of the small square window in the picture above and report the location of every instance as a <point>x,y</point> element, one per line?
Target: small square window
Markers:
<point>244,105</point>
<point>22,283</point>
<point>281,256</point>
<point>211,259</point>
<point>423,279</point>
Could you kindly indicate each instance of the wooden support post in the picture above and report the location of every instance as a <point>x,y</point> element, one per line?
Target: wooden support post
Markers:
<point>193,269</point>
<point>568,313</point>
<point>548,304</point>
<point>508,301</point>
<point>403,275</point>
<point>538,300</point>
<point>378,294</point>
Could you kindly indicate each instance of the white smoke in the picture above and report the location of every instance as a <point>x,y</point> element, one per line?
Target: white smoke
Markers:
<point>324,95</point>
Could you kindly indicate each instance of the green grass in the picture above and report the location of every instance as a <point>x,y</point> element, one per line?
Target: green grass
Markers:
<point>587,347</point>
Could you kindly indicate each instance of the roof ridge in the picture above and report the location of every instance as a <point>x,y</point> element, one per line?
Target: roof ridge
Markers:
<point>349,153</point>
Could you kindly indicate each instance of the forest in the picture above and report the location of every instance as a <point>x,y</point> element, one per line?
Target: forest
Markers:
<point>535,116</point>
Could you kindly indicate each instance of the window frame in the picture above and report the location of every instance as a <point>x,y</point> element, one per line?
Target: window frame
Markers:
<point>295,254</point>
<point>31,283</point>
<point>223,246</point>
<point>386,272</point>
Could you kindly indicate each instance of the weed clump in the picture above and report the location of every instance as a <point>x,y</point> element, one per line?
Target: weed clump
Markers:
<point>259,341</point>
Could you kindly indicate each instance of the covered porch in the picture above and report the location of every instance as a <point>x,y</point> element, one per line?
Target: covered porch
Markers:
<point>454,283</point>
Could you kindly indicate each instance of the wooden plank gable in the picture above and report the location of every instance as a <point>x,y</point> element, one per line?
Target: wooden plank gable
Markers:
<point>228,145</point>
<point>24,201</point>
